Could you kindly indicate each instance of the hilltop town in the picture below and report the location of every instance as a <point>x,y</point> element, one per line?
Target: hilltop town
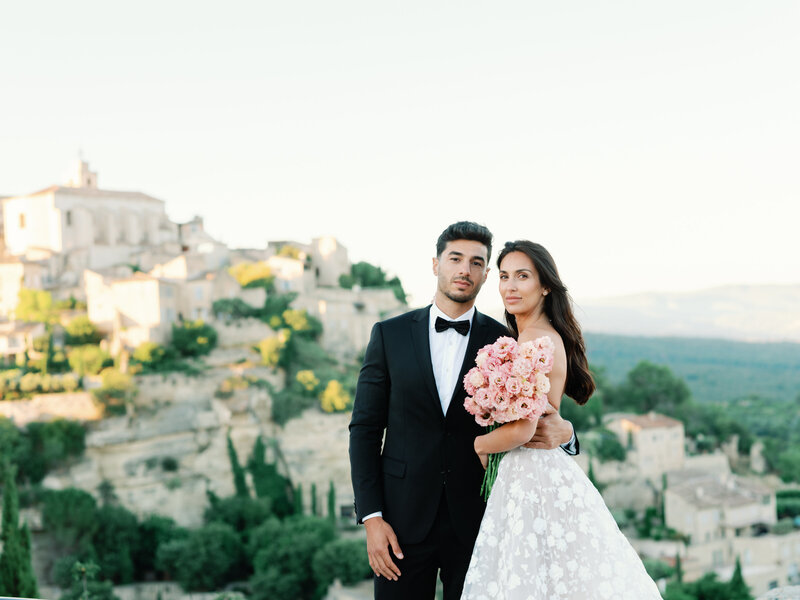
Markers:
<point>180,353</point>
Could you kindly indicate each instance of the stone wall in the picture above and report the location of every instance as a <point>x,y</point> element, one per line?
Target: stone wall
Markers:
<point>77,406</point>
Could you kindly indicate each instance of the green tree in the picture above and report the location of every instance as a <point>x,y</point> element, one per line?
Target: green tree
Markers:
<point>70,516</point>
<point>36,306</point>
<point>298,499</point>
<point>116,542</point>
<point>738,588</point>
<point>80,331</point>
<point>314,507</point>
<point>369,276</point>
<point>149,354</point>
<point>239,479</point>
<point>268,482</point>
<point>608,447</point>
<point>650,387</point>
<point>332,502</point>
<point>154,531</point>
<point>206,560</point>
<point>193,338</point>
<point>88,360</point>
<point>16,571</point>
<point>232,308</point>
<point>242,513</point>
<point>85,586</point>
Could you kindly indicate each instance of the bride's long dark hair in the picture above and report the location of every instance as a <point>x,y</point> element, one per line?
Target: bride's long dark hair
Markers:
<point>558,308</point>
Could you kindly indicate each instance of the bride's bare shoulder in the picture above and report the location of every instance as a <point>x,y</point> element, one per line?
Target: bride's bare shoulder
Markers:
<point>530,334</point>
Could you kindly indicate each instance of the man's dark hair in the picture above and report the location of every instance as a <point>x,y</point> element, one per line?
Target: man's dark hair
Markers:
<point>465,230</point>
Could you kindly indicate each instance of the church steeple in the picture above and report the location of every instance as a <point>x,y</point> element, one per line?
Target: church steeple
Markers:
<point>81,176</point>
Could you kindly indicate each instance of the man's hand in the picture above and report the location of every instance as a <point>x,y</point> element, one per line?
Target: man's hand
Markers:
<point>551,432</point>
<point>380,536</point>
<point>484,458</point>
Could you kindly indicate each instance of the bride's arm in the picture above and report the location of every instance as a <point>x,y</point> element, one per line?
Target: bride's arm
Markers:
<point>506,437</point>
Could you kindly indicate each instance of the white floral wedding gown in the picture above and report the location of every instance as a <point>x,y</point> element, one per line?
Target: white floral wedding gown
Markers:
<point>548,535</point>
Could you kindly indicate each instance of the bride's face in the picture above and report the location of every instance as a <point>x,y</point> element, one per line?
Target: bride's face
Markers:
<point>520,287</point>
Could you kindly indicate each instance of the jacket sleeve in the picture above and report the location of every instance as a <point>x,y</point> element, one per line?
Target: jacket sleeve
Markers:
<point>370,415</point>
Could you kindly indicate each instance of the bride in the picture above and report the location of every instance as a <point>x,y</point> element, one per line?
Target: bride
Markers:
<point>546,533</point>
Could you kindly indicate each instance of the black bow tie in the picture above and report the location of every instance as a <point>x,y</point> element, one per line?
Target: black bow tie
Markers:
<point>461,327</point>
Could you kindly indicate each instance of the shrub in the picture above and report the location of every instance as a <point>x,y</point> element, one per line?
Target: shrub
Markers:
<point>88,360</point>
<point>206,560</point>
<point>345,560</point>
<point>240,512</point>
<point>308,380</point>
<point>193,338</point>
<point>334,398</point>
<point>149,353</point>
<point>70,516</point>
<point>291,551</point>
<point>608,447</point>
<point>272,349</point>
<point>117,388</point>
<point>233,308</point>
<point>81,331</point>
<point>252,274</point>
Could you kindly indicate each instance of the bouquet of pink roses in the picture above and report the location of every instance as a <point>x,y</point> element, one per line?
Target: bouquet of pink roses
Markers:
<point>509,383</point>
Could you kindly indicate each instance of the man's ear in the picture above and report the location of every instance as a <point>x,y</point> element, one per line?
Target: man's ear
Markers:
<point>435,266</point>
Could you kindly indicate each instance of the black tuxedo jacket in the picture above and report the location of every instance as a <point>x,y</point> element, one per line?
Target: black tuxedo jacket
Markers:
<point>425,453</point>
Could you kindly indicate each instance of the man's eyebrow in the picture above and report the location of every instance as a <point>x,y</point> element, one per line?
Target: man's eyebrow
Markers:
<point>457,253</point>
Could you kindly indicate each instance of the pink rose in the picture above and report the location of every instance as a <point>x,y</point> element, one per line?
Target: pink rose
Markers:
<point>504,346</point>
<point>527,388</point>
<point>514,385</point>
<point>526,350</point>
<point>542,383</point>
<point>522,367</point>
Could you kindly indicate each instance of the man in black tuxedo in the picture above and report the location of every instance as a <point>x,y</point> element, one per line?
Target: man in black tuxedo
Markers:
<point>419,495</point>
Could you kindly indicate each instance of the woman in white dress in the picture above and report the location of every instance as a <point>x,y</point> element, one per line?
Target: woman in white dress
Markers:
<point>546,533</point>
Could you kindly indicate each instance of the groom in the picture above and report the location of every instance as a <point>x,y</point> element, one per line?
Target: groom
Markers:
<point>418,496</point>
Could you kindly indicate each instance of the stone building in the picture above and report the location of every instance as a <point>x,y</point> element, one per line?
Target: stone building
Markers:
<point>101,226</point>
<point>142,307</point>
<point>16,338</point>
<point>347,316</point>
<point>707,507</point>
<point>655,442</point>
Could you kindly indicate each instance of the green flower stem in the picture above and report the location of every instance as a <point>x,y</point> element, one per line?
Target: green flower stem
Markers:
<point>491,470</point>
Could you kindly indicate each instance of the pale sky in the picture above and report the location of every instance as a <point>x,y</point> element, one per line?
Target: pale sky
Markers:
<point>649,146</point>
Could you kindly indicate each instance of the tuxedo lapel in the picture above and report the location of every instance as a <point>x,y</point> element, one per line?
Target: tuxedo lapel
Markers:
<point>477,340</point>
<point>422,350</point>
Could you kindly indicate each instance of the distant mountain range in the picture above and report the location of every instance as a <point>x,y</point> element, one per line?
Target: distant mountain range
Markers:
<point>767,313</point>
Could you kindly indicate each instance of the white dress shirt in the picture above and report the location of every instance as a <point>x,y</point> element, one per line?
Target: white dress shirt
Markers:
<point>448,349</point>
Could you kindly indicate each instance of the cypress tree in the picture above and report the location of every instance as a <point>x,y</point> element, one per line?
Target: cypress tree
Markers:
<point>239,480</point>
<point>314,508</point>
<point>332,503</point>
<point>16,571</point>
<point>738,587</point>
<point>678,569</point>
<point>298,499</point>
<point>257,467</point>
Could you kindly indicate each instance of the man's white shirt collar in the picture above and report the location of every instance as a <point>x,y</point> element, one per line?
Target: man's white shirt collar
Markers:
<point>436,312</point>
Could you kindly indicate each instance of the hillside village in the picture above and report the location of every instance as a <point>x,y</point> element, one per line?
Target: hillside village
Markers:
<point>114,259</point>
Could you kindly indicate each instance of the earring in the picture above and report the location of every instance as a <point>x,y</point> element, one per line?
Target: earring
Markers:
<point>544,293</point>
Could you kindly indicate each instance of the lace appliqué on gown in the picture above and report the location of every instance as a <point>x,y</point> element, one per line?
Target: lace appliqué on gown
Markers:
<point>548,535</point>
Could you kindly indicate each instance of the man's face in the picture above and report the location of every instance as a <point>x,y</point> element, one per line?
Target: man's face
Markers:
<point>461,270</point>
